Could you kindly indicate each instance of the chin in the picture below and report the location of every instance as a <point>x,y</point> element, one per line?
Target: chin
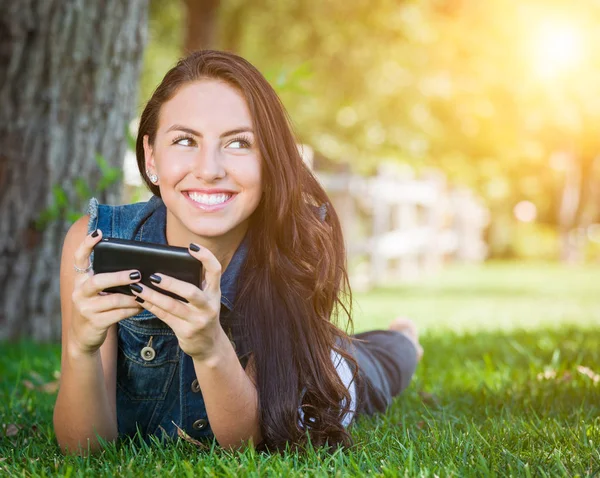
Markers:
<point>210,234</point>
<point>214,232</point>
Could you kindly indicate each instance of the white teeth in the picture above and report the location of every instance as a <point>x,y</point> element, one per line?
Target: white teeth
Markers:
<point>209,199</point>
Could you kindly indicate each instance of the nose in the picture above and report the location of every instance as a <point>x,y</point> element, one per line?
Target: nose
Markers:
<point>209,165</point>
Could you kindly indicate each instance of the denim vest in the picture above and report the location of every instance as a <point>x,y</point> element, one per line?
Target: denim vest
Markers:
<point>157,390</point>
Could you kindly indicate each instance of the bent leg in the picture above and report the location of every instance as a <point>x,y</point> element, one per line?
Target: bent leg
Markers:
<point>387,360</point>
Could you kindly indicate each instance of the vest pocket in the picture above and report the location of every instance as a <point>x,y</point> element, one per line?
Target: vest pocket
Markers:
<point>147,360</point>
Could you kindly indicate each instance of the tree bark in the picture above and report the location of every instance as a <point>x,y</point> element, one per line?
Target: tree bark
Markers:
<point>201,28</point>
<point>68,81</point>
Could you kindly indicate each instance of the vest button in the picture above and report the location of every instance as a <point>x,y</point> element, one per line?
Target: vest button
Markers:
<point>200,424</point>
<point>148,354</point>
<point>195,386</point>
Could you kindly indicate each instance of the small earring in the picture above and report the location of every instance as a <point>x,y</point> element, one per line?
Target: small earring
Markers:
<point>153,177</point>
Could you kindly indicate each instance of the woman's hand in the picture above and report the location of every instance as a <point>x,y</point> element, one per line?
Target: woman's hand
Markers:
<point>195,323</point>
<point>94,311</point>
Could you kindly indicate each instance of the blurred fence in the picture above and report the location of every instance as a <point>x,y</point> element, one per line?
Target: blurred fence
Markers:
<point>399,227</point>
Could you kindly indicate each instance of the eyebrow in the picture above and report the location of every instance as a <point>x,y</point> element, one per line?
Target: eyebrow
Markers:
<point>185,129</point>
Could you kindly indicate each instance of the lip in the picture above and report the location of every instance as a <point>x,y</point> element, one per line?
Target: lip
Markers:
<point>209,191</point>
<point>212,207</point>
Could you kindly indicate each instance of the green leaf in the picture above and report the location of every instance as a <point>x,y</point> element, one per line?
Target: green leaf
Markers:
<point>82,189</point>
<point>48,215</point>
<point>60,197</point>
<point>102,163</point>
<point>102,184</point>
<point>42,220</point>
<point>54,210</point>
<point>114,174</point>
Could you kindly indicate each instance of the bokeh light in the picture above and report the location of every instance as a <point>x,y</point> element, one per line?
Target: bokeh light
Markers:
<point>593,233</point>
<point>557,47</point>
<point>525,211</point>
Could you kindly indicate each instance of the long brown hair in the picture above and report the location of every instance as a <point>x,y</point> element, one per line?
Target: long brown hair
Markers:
<point>294,287</point>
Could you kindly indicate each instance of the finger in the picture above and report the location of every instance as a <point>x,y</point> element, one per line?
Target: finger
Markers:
<point>81,257</point>
<point>110,302</point>
<point>212,267</point>
<point>183,289</point>
<point>106,319</point>
<point>167,317</point>
<point>98,282</point>
<point>151,298</point>
<point>83,252</point>
<point>91,308</point>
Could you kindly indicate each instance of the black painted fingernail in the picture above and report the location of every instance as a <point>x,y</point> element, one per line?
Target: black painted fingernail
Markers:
<point>155,278</point>
<point>139,299</point>
<point>136,288</point>
<point>95,233</point>
<point>135,275</point>
<point>194,247</point>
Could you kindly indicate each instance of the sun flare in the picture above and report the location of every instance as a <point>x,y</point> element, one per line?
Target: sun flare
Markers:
<point>557,48</point>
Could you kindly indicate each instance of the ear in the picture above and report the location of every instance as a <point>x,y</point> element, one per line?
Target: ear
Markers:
<point>149,156</point>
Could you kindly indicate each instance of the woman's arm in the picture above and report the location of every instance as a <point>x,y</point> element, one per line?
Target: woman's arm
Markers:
<point>85,407</point>
<point>86,403</point>
<point>230,395</point>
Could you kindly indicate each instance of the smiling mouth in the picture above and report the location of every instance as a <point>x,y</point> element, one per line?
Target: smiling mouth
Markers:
<point>209,199</point>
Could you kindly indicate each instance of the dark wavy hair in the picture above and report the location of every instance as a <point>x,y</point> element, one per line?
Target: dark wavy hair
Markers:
<point>293,289</point>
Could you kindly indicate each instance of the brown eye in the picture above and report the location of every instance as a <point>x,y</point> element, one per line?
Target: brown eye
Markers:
<point>184,141</point>
<point>240,143</point>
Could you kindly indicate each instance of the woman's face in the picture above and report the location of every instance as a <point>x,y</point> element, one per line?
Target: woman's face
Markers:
<point>206,160</point>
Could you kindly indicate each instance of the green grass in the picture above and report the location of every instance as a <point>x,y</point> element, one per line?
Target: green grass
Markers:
<point>478,405</point>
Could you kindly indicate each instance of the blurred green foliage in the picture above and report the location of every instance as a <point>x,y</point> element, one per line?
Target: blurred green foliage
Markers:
<point>485,91</point>
<point>166,32</point>
<point>69,211</point>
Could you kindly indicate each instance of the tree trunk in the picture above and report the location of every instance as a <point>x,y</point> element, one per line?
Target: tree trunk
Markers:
<point>201,25</point>
<point>68,80</point>
<point>231,36</point>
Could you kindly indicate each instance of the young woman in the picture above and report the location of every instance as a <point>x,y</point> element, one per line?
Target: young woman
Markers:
<point>254,355</point>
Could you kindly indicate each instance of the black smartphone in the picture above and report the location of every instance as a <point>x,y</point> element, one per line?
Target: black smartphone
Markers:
<point>113,255</point>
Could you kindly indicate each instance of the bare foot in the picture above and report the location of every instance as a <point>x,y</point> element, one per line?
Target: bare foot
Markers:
<point>408,328</point>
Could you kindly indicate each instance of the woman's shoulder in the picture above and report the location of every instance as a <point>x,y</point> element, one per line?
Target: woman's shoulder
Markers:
<point>76,233</point>
<point>106,216</point>
<point>95,207</point>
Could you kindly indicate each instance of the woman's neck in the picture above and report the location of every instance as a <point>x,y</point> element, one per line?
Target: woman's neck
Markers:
<point>223,247</point>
